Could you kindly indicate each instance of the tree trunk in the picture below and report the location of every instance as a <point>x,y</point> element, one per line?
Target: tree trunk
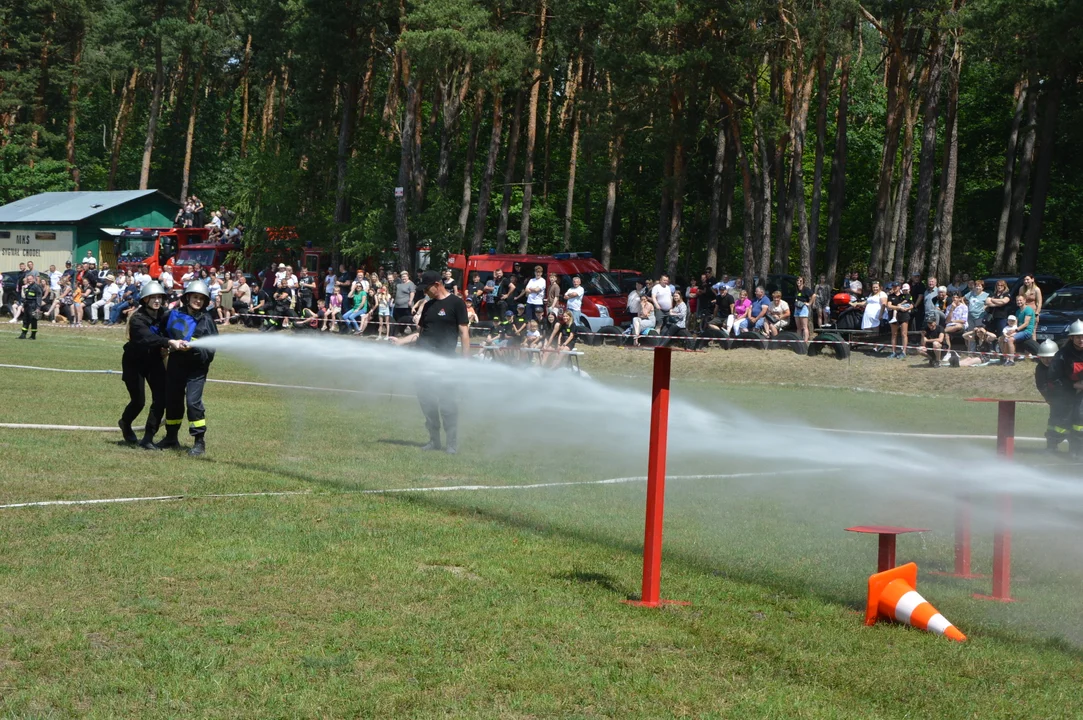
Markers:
<point>468,164</point>
<point>155,109</point>
<point>665,211</point>
<point>919,241</point>
<point>942,231</point>
<point>454,91</point>
<point>836,195</point>
<point>749,214</point>
<point>896,102</point>
<point>1020,95</point>
<point>901,212</point>
<point>715,223</point>
<point>244,94</point>
<point>673,245</point>
<point>73,104</point>
<point>764,210</point>
<point>391,100</point>
<point>799,127</point>
<point>509,174</point>
<point>486,189</point>
<point>826,74</point>
<point>532,130</point>
<point>41,110</point>
<point>342,155</point>
<point>569,198</point>
<point>1041,174</point>
<point>417,167</point>
<point>611,200</point>
<point>548,123</point>
<point>268,114</point>
<point>1021,185</point>
<point>406,160</point>
<point>189,136</point>
<point>121,124</point>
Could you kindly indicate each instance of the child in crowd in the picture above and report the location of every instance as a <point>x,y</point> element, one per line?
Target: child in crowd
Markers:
<point>334,311</point>
<point>533,335</point>
<point>383,310</point>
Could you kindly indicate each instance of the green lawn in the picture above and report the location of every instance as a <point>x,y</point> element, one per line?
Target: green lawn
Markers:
<point>506,603</point>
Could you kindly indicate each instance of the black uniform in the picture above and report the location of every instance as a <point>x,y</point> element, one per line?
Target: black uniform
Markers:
<point>32,296</point>
<point>186,373</point>
<point>439,333</point>
<point>1069,366</point>
<point>142,362</point>
<point>1050,382</point>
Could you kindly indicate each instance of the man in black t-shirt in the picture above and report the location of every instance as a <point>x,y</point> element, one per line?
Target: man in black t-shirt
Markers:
<point>443,326</point>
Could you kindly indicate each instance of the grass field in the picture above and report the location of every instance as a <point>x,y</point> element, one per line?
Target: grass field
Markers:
<point>336,601</point>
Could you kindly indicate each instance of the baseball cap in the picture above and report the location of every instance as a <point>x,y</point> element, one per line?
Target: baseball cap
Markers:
<point>469,301</point>
<point>281,266</point>
<point>906,287</point>
<point>430,277</point>
<point>509,313</point>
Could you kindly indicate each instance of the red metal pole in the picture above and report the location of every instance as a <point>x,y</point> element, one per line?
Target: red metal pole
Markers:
<point>962,536</point>
<point>656,478</point>
<point>885,556</point>
<point>656,483</point>
<point>1006,428</point>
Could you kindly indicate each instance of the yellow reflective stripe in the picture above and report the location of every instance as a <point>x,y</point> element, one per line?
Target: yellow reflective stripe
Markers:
<point>197,423</point>
<point>173,422</point>
<point>1056,429</point>
<point>1078,428</point>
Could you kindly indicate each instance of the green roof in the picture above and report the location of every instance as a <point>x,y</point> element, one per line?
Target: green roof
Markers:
<point>59,207</point>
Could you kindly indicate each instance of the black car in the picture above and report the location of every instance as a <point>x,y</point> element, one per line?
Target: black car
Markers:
<point>1060,310</point>
<point>11,289</point>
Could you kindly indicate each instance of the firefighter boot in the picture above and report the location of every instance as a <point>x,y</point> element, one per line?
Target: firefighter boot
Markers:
<point>126,431</point>
<point>1051,443</point>
<point>23,335</point>
<point>1075,447</point>
<point>170,439</point>
<point>200,448</point>
<point>452,445</point>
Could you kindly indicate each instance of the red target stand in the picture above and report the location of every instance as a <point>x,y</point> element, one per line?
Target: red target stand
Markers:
<point>1002,534</point>
<point>656,486</point>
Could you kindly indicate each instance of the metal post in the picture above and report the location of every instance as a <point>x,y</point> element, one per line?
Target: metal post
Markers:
<point>885,556</point>
<point>1006,428</point>
<point>1002,554</point>
<point>656,482</point>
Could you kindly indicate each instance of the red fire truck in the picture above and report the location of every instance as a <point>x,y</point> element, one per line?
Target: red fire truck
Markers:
<point>172,249</point>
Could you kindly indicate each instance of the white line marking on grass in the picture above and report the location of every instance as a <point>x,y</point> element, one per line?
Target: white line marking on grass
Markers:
<point>933,436</point>
<point>29,426</point>
<point>389,491</point>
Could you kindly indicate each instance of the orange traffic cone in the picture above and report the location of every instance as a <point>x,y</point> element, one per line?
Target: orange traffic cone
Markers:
<point>892,595</point>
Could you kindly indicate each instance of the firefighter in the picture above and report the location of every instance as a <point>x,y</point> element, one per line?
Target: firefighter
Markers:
<point>143,363</point>
<point>31,298</point>
<point>1050,383</point>
<point>186,372</point>
<point>1070,368</point>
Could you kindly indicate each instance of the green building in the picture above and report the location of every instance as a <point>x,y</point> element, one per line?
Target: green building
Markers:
<point>54,227</point>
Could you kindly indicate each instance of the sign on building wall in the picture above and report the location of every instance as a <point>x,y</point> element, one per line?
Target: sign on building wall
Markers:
<point>45,248</point>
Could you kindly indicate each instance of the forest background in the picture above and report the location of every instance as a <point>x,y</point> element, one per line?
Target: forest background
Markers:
<point>806,136</point>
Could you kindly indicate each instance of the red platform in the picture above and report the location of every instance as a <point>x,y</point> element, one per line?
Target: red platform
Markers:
<point>885,556</point>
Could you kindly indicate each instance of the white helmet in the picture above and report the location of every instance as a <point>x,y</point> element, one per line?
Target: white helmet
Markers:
<point>1048,348</point>
<point>1076,328</point>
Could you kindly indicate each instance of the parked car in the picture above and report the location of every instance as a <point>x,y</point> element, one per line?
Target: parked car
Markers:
<point>11,290</point>
<point>1060,310</point>
<point>626,279</point>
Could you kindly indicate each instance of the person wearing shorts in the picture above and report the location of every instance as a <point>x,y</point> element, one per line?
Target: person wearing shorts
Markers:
<point>1024,330</point>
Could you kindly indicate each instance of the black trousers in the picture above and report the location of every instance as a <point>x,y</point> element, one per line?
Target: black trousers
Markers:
<point>404,316</point>
<point>438,402</point>
<point>30,320</point>
<point>1061,407</point>
<point>138,372</point>
<point>184,391</point>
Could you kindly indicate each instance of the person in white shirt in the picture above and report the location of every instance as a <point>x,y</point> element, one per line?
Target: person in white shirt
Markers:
<point>291,279</point>
<point>662,295</point>
<point>535,293</point>
<point>89,259</point>
<point>109,296</point>
<point>573,299</point>
<point>281,274</point>
<point>54,279</point>
<point>166,279</point>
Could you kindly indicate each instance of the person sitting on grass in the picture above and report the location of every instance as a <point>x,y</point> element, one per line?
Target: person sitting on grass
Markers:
<point>932,341</point>
<point>561,340</point>
<point>1017,332</point>
<point>757,314</point>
